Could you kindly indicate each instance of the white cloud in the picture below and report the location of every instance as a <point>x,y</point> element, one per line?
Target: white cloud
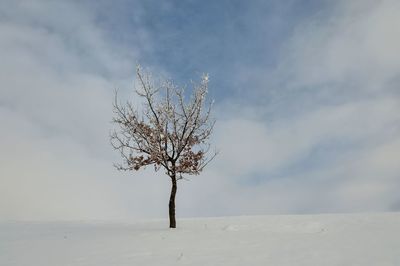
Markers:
<point>356,44</point>
<point>55,110</point>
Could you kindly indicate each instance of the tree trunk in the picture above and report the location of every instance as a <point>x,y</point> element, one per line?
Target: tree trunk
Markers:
<point>172,221</point>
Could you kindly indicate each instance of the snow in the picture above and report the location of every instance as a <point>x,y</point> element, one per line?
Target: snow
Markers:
<point>332,239</point>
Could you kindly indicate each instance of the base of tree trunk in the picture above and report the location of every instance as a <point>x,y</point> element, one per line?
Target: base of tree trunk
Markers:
<point>172,220</point>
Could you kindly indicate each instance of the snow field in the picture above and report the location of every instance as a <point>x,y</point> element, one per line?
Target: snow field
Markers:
<point>332,239</point>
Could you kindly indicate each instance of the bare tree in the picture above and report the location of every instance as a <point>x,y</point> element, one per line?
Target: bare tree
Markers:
<point>168,131</point>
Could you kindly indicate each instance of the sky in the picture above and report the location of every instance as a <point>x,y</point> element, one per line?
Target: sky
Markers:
<point>307,103</point>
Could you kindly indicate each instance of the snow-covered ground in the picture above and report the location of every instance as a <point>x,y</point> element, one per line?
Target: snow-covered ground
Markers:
<point>336,239</point>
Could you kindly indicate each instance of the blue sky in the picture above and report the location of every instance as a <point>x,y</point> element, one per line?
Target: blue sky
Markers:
<point>221,37</point>
<point>307,105</point>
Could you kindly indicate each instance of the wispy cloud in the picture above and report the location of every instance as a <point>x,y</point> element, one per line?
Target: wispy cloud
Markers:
<point>55,112</point>
<point>322,117</point>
